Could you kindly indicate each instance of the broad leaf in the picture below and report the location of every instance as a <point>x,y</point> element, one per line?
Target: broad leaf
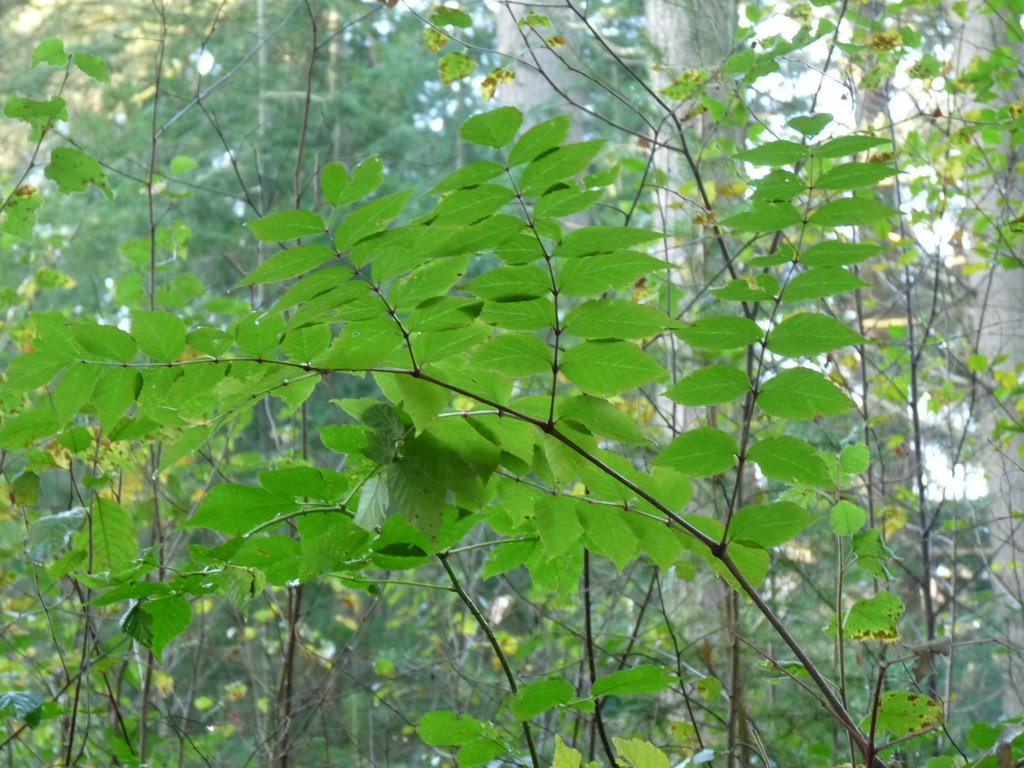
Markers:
<point>638,680</point>
<point>847,518</point>
<point>790,460</point>
<point>854,176</point>
<point>606,368</point>
<point>902,713</point>
<point>593,240</point>
<point>562,163</point>
<point>537,698</point>
<point>821,282</point>
<point>765,217</point>
<point>810,334</point>
<point>717,333</point>
<point>602,418</point>
<point>492,129</point>
<point>769,525</point>
<point>603,272</point>
<point>154,623</point>
<point>851,212</point>
<point>800,393</point>
<point>47,536</point>
<point>848,145</point>
<point>514,354</point>
<point>557,524</point>
<point>700,452</point>
<point>160,335</point>
<point>710,385</point>
<point>289,263</point>
<point>237,509</point>
<point>616,319</point>
<point>834,253</point>
<point>286,225</point>
<point>74,171</point>
<point>539,139</point>
<point>874,618</point>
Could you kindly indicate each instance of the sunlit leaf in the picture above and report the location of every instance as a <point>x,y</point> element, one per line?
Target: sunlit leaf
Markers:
<point>700,452</point>
<point>874,618</point>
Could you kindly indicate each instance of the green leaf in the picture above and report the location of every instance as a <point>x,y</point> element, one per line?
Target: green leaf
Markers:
<point>433,346</point>
<point>872,553</point>
<point>287,225</point>
<point>366,178</point>
<point>848,145</point>
<point>602,418</point>
<point>369,219</point>
<point>113,537</point>
<point>432,280</point>
<point>306,343</point>
<point>637,753</point>
<point>710,385</point>
<point>74,171</point>
<point>237,509</point>
<point>701,452</point>
<point>765,217</point>
<point>50,52</point>
<point>259,333</point>
<point>774,153</point>
<point>557,524</point>
<point>105,342</point>
<point>492,129</point>
<point>565,202</point>
<point>854,176</point>
<point>528,315</point>
<point>559,164</point>
<point>717,333</point>
<point>565,757</point>
<point>511,283</point>
<point>33,370</point>
<point>902,713</point>
<point>333,180</point>
<point>649,678</point>
<point>807,333</point>
<point>38,114</point>
<point>760,288</point>
<point>809,125</point>
<point>790,460</point>
<point>289,263</point>
<point>851,212</point>
<point>442,729</point>
<point>93,66</point>
<point>541,138</point>
<point>769,525</point>
<point>160,335</point>
<point>833,253</point>
<point>154,623</point>
<point>537,698</point>
<point>455,66</point>
<point>515,354</point>
<point>855,459</point>
<point>361,345</point>
<point>467,206</point>
<point>800,393</point>
<point>587,241</point>
<point>778,186</point>
<point>47,536</point>
<point>821,282</point>
<point>597,274</point>
<point>847,518</point>
<point>609,532</point>
<point>616,319</point>
<point>373,503</point>
<point>469,176</point>
<point>446,15</point>
<point>607,368</point>
<point>26,706</point>
<point>874,618</point>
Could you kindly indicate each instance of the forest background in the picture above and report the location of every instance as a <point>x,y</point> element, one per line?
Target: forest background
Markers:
<point>635,383</point>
